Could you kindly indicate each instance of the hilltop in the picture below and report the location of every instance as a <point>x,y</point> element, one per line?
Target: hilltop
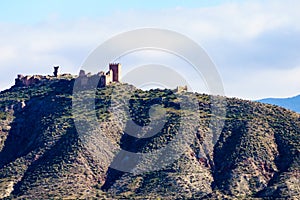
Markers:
<point>42,154</point>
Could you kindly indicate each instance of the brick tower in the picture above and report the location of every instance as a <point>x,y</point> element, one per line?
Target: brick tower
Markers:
<point>116,71</point>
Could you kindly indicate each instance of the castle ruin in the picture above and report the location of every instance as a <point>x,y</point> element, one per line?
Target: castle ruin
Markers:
<point>26,81</point>
<point>55,73</point>
<point>105,78</point>
<point>181,89</point>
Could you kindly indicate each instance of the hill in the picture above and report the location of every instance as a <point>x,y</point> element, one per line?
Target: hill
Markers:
<point>292,103</point>
<point>44,154</point>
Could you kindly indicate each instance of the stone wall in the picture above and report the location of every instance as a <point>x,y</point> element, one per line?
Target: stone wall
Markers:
<point>181,89</point>
<point>101,79</point>
<point>25,81</point>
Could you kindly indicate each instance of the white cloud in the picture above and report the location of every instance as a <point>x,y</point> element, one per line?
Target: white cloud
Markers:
<point>265,83</point>
<point>244,39</point>
<point>7,53</point>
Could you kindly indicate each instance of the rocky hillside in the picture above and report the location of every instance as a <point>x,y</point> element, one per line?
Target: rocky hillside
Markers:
<point>47,150</point>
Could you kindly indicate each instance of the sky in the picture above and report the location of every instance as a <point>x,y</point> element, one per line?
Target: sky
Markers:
<point>255,44</point>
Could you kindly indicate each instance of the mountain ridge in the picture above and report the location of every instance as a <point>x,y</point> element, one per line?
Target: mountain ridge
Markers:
<point>292,103</point>
<point>42,155</point>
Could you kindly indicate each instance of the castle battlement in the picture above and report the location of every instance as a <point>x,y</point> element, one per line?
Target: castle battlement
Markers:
<point>28,80</point>
<point>103,78</point>
<point>113,75</point>
<point>106,78</point>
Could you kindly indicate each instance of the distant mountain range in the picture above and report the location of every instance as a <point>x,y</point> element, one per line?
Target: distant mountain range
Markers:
<point>292,103</point>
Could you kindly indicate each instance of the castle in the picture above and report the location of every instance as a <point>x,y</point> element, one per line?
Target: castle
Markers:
<point>88,80</point>
<point>103,79</point>
<point>113,75</point>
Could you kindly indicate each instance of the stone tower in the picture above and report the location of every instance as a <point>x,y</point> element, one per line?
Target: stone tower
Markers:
<point>55,73</point>
<point>116,71</point>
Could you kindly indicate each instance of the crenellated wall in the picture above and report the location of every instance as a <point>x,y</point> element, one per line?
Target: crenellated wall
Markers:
<point>102,78</point>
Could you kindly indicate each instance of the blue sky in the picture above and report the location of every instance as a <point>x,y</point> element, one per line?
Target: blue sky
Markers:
<point>34,11</point>
<point>254,44</point>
